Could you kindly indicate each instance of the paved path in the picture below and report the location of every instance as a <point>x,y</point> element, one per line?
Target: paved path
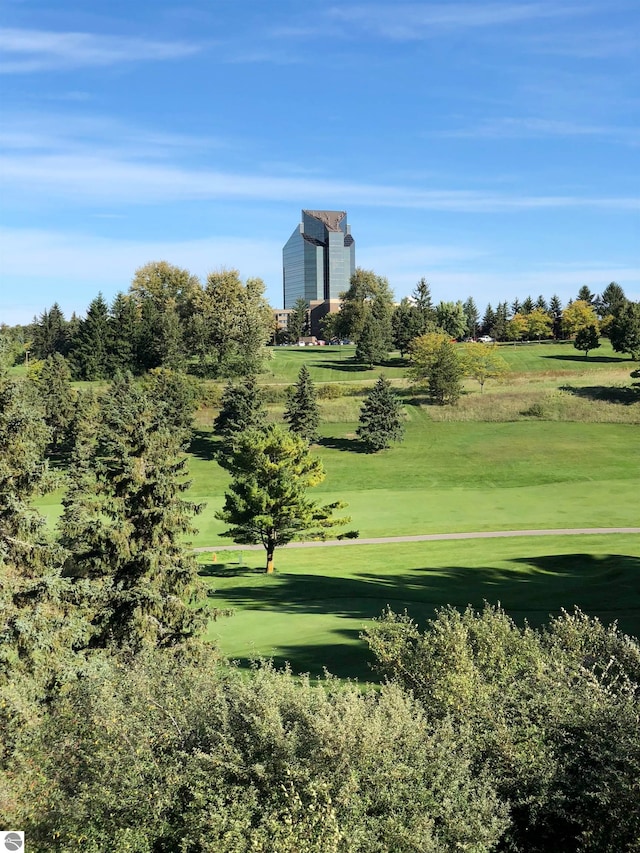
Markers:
<point>432,537</point>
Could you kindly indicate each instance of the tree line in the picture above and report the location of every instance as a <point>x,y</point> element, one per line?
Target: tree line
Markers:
<point>167,319</point>
<point>369,317</point>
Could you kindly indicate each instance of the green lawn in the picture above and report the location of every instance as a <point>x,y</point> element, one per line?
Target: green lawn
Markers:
<point>449,477</point>
<point>336,364</point>
<point>313,609</point>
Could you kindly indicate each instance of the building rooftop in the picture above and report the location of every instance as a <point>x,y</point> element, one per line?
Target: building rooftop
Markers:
<point>331,219</point>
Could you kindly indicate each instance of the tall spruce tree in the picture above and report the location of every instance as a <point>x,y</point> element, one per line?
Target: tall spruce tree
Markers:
<point>125,525</point>
<point>302,412</point>
<point>58,397</point>
<point>90,355</point>
<point>242,409</point>
<point>381,419</point>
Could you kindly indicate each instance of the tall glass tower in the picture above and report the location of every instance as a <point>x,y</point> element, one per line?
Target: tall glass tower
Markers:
<point>319,258</point>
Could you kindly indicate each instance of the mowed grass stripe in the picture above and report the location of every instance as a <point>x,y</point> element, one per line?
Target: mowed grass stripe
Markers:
<point>312,611</point>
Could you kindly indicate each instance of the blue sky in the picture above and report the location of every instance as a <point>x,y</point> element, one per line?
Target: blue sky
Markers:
<point>492,148</point>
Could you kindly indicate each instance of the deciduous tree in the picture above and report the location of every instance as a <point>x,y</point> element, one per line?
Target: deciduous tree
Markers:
<point>482,362</point>
<point>587,339</point>
<point>578,315</point>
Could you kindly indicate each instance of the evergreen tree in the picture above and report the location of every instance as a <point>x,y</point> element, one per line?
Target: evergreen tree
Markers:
<point>541,303</point>
<point>624,331</point>
<point>302,412</point>
<point>587,338</point>
<point>445,376</point>
<point>125,523</point>
<point>501,321</point>
<point>381,421</point>
<point>124,328</point>
<point>58,399</point>
<point>611,300</point>
<point>40,625</point>
<point>266,502</point>
<point>90,353</point>
<point>242,409</point>
<point>421,297</point>
<point>527,306</point>
<point>586,295</point>
<point>516,307</point>
<point>50,333</point>
<point>555,312</point>
<point>407,324</point>
<point>298,325</point>
<point>472,317</point>
<point>489,321</point>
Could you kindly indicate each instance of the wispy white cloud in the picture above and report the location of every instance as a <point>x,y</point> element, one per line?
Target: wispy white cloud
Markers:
<point>412,21</point>
<point>538,128</point>
<point>83,177</point>
<point>26,51</point>
<point>75,265</point>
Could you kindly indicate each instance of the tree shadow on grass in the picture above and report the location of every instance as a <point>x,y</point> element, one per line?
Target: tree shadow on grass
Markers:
<point>347,657</point>
<point>347,366</point>
<point>530,590</point>
<point>599,359</point>
<point>353,445</point>
<point>623,395</point>
<point>203,445</point>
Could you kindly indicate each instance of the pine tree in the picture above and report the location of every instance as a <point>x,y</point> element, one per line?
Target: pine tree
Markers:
<point>381,421</point>
<point>302,412</point>
<point>242,409</point>
<point>53,384</point>
<point>266,502</point>
<point>39,624</point>
<point>372,347</point>
<point>125,522</point>
<point>489,321</point>
<point>500,325</point>
<point>472,316</point>
<point>123,339</point>
<point>527,306</point>
<point>92,343</point>
<point>421,297</point>
<point>50,333</point>
<point>555,312</point>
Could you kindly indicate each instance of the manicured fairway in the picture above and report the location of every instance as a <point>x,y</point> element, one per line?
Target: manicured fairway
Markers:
<point>448,477</point>
<point>312,610</point>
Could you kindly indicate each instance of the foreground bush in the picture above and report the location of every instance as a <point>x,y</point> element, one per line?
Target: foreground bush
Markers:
<point>553,717</point>
<point>155,757</point>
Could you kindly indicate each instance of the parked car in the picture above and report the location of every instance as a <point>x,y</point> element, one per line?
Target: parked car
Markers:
<point>485,339</point>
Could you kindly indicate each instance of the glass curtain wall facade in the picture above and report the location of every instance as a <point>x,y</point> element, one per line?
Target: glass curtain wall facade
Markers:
<point>319,258</point>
